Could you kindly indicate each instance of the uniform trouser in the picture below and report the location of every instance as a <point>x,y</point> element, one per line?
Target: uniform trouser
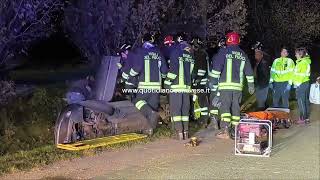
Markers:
<point>302,95</point>
<point>261,96</point>
<point>203,103</point>
<point>146,103</point>
<point>230,107</point>
<point>179,110</point>
<point>280,92</point>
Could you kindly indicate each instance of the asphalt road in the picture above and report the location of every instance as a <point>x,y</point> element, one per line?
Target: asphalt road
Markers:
<point>296,155</point>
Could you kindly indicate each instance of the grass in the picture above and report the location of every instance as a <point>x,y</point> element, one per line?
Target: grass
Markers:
<point>37,157</point>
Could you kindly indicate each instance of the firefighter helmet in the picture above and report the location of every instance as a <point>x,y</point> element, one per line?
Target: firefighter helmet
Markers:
<point>168,40</point>
<point>233,38</point>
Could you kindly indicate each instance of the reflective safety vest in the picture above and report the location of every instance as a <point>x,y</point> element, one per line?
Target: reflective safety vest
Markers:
<point>150,66</point>
<point>282,70</point>
<point>229,66</point>
<point>301,72</point>
<point>181,68</point>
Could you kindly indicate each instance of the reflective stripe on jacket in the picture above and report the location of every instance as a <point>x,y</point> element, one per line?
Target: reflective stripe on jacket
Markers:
<point>302,71</point>
<point>229,67</point>
<point>150,66</point>
<point>282,70</point>
<point>181,68</point>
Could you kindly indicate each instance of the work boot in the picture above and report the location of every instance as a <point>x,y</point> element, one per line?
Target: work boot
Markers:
<point>231,131</point>
<point>213,123</point>
<point>151,115</point>
<point>186,135</point>
<point>202,123</point>
<point>223,134</point>
<point>154,118</point>
<point>179,136</point>
<point>148,132</point>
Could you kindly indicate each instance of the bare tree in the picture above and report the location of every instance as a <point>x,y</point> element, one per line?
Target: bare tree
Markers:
<point>24,21</point>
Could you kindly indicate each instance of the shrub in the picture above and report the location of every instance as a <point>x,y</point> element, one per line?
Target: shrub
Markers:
<point>28,123</point>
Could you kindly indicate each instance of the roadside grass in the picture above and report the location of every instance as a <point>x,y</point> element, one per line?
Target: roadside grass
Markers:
<point>41,156</point>
<point>48,154</point>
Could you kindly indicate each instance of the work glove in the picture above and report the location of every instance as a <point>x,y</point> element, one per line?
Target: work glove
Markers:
<point>194,98</point>
<point>251,89</point>
<point>288,88</point>
<point>271,85</point>
<point>216,102</point>
<point>166,86</point>
<point>196,82</point>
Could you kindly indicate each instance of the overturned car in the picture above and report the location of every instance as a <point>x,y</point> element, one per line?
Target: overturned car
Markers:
<point>99,116</point>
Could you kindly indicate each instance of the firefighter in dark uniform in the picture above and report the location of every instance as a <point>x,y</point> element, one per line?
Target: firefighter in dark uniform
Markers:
<point>199,80</point>
<point>179,82</point>
<point>229,67</point>
<point>214,96</point>
<point>149,67</point>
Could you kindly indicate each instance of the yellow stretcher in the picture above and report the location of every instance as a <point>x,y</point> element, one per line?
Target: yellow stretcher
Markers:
<point>99,142</point>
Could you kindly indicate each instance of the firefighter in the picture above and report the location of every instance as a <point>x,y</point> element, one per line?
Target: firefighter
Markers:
<point>214,96</point>
<point>301,82</point>
<point>149,66</point>
<point>179,82</point>
<point>229,67</point>
<point>281,79</point>
<point>199,81</point>
<point>126,54</point>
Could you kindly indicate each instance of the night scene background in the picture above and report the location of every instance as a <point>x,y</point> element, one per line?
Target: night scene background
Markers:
<point>44,44</point>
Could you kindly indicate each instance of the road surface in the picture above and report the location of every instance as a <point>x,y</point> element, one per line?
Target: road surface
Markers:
<point>296,155</point>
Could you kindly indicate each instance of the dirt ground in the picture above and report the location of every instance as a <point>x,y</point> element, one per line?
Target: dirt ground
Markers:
<point>296,155</point>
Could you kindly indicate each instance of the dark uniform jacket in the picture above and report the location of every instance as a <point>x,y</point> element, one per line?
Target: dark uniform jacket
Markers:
<point>229,66</point>
<point>150,66</point>
<point>262,74</point>
<point>181,67</point>
<point>200,67</point>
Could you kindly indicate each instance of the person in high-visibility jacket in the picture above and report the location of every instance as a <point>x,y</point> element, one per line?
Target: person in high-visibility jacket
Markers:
<point>150,67</point>
<point>301,82</point>
<point>179,81</point>
<point>199,81</point>
<point>281,79</point>
<point>229,67</point>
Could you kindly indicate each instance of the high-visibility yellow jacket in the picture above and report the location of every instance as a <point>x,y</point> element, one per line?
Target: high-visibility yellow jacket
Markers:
<point>282,70</point>
<point>302,71</point>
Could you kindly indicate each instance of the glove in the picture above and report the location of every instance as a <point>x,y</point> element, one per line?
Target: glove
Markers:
<point>194,98</point>
<point>271,86</point>
<point>165,85</point>
<point>251,89</point>
<point>196,82</point>
<point>216,102</point>
<point>288,88</point>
